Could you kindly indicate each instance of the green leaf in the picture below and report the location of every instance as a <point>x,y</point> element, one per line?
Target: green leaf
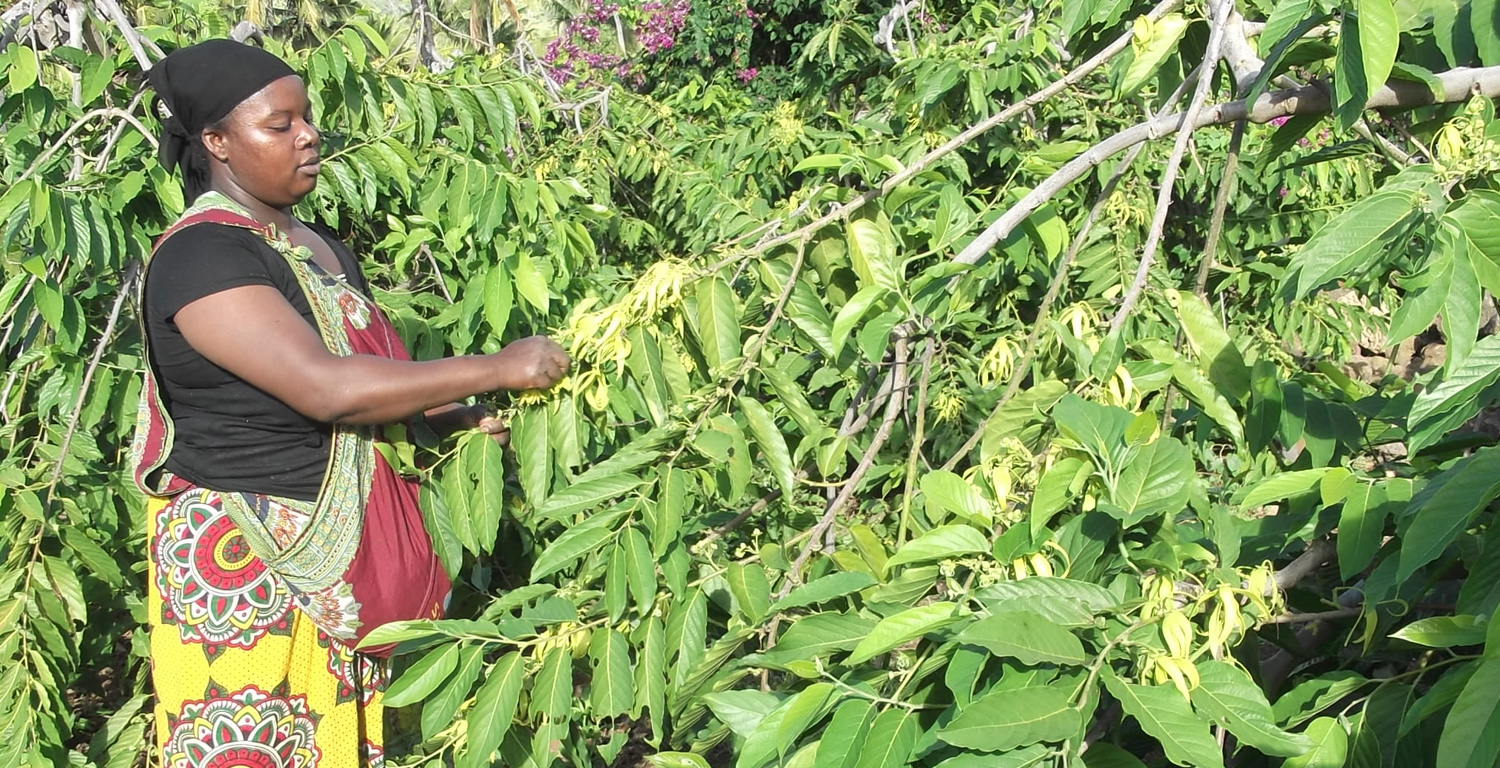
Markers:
<point>671,501</point>
<point>423,677</point>
<point>1152,44</point>
<point>1458,392</point>
<point>1330,746</point>
<point>1444,631</point>
<point>92,555</point>
<point>891,739</point>
<point>1228,695</point>
<point>1156,479</point>
<point>949,492</point>
<point>940,543</point>
<point>1054,492</point>
<point>552,688</point>
<point>1006,595</point>
<point>1310,697</point>
<point>1361,527</point>
<point>872,249</point>
<point>1471,735</point>
<point>1098,428</point>
<point>498,299</point>
<point>530,430</point>
<point>640,569</point>
<point>677,760</point>
<point>904,627</point>
<point>530,283</point>
<point>612,681</point>
<point>772,444</point>
<point>1165,715</point>
<point>718,322</point>
<point>574,543</point>
<point>1445,506</point>
<point>439,708</point>
<point>1286,16</point>
<point>742,711</point>
<point>586,495</point>
<point>850,314</point>
<point>1026,637</point>
<point>495,708</point>
<point>1439,697</point>
<point>1005,720</point>
<point>1217,355</point>
<point>819,635</point>
<point>846,733</point>
<point>1106,755</point>
<point>1358,237</point>
<point>1367,49</point>
<point>807,707</point>
<point>823,589</point>
<point>752,592</point>
<point>23,68</point>
<point>1283,485</point>
<point>651,674</point>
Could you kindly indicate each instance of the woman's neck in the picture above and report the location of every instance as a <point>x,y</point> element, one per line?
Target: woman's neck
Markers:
<point>280,218</point>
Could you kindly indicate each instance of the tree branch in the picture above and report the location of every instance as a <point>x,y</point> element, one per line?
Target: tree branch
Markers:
<point>1220,12</point>
<point>132,272</point>
<point>1221,205</point>
<point>79,123</point>
<point>851,485</point>
<point>133,38</point>
<point>1104,56</point>
<point>1457,85</point>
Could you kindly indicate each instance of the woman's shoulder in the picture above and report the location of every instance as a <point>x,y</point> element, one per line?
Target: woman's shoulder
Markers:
<point>205,258</point>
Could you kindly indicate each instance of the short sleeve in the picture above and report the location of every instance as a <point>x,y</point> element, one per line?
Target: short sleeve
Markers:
<point>202,260</point>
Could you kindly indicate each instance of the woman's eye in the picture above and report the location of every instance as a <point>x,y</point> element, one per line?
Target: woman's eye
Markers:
<point>281,128</point>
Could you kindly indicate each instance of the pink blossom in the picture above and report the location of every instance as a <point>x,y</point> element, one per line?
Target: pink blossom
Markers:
<point>748,74</point>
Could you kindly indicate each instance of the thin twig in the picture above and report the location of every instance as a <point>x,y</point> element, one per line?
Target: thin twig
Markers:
<point>79,123</point>
<point>119,132</point>
<point>916,441</point>
<point>1303,618</point>
<point>437,271</point>
<point>754,509</point>
<point>133,38</point>
<point>132,273</point>
<point>892,412</point>
<point>1221,204</point>
<point>1220,12</point>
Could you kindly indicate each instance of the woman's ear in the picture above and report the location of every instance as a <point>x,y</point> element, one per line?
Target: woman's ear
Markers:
<point>216,141</point>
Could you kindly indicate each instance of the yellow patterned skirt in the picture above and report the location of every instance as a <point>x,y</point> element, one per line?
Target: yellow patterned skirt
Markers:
<point>243,678</point>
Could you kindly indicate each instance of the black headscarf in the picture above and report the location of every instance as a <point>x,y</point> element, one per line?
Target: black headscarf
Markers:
<point>200,85</point>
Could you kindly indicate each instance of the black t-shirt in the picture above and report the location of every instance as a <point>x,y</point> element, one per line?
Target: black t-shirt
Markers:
<point>231,436</point>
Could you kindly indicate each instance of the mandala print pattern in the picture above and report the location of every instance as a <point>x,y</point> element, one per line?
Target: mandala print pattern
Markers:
<point>216,591</point>
<point>374,756</point>
<point>246,729</point>
<point>360,677</point>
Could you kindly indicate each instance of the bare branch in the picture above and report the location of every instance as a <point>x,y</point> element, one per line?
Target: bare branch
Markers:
<point>79,123</point>
<point>1221,205</point>
<point>1457,85</point>
<point>851,485</point>
<point>133,38</point>
<point>1220,12</point>
<point>1314,557</point>
<point>132,272</point>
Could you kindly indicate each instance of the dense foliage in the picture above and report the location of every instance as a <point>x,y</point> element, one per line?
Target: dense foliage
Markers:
<point>1071,438</point>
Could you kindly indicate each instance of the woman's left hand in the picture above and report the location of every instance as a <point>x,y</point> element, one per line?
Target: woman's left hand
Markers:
<point>493,426</point>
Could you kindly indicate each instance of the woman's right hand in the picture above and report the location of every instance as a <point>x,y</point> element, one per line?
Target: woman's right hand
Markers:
<point>535,362</point>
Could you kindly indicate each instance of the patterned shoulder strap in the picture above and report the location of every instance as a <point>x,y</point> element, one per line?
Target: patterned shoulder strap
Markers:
<point>152,442</point>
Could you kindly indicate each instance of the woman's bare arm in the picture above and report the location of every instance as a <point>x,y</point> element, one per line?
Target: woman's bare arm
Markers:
<point>255,334</point>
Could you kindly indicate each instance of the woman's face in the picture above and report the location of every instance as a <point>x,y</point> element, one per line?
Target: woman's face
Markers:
<point>268,146</point>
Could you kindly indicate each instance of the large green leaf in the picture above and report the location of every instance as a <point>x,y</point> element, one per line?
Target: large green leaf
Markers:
<point>718,322</point>
<point>949,492</point>
<point>1228,695</point>
<point>742,711</point>
<point>821,634</point>
<point>823,589</point>
<point>574,543</point>
<point>552,688</point>
<point>494,708</point>
<point>1098,429</point>
<point>903,627</point>
<point>1361,527</point>
<point>1005,720</point>
<point>941,543</point>
<point>751,590</point>
<point>530,435</point>
<point>1358,237</point>
<point>891,739</point>
<point>1443,509</point>
<point>1367,50</point>
<point>1471,735</point>
<point>1330,746</point>
<point>846,733</point>
<point>1443,631</point>
<point>1459,392</point>
<point>1025,636</point>
<point>423,677</point>
<point>1217,355</point>
<point>1156,479</point>
<point>772,443</point>
<point>1166,716</point>
<point>872,249</point>
<point>586,495</point>
<point>612,683</point>
<point>1282,485</point>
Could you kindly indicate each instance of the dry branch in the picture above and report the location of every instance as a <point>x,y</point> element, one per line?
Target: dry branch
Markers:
<point>1457,85</point>
<point>1220,11</point>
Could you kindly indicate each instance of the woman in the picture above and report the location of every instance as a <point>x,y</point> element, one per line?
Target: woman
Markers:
<point>278,535</point>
